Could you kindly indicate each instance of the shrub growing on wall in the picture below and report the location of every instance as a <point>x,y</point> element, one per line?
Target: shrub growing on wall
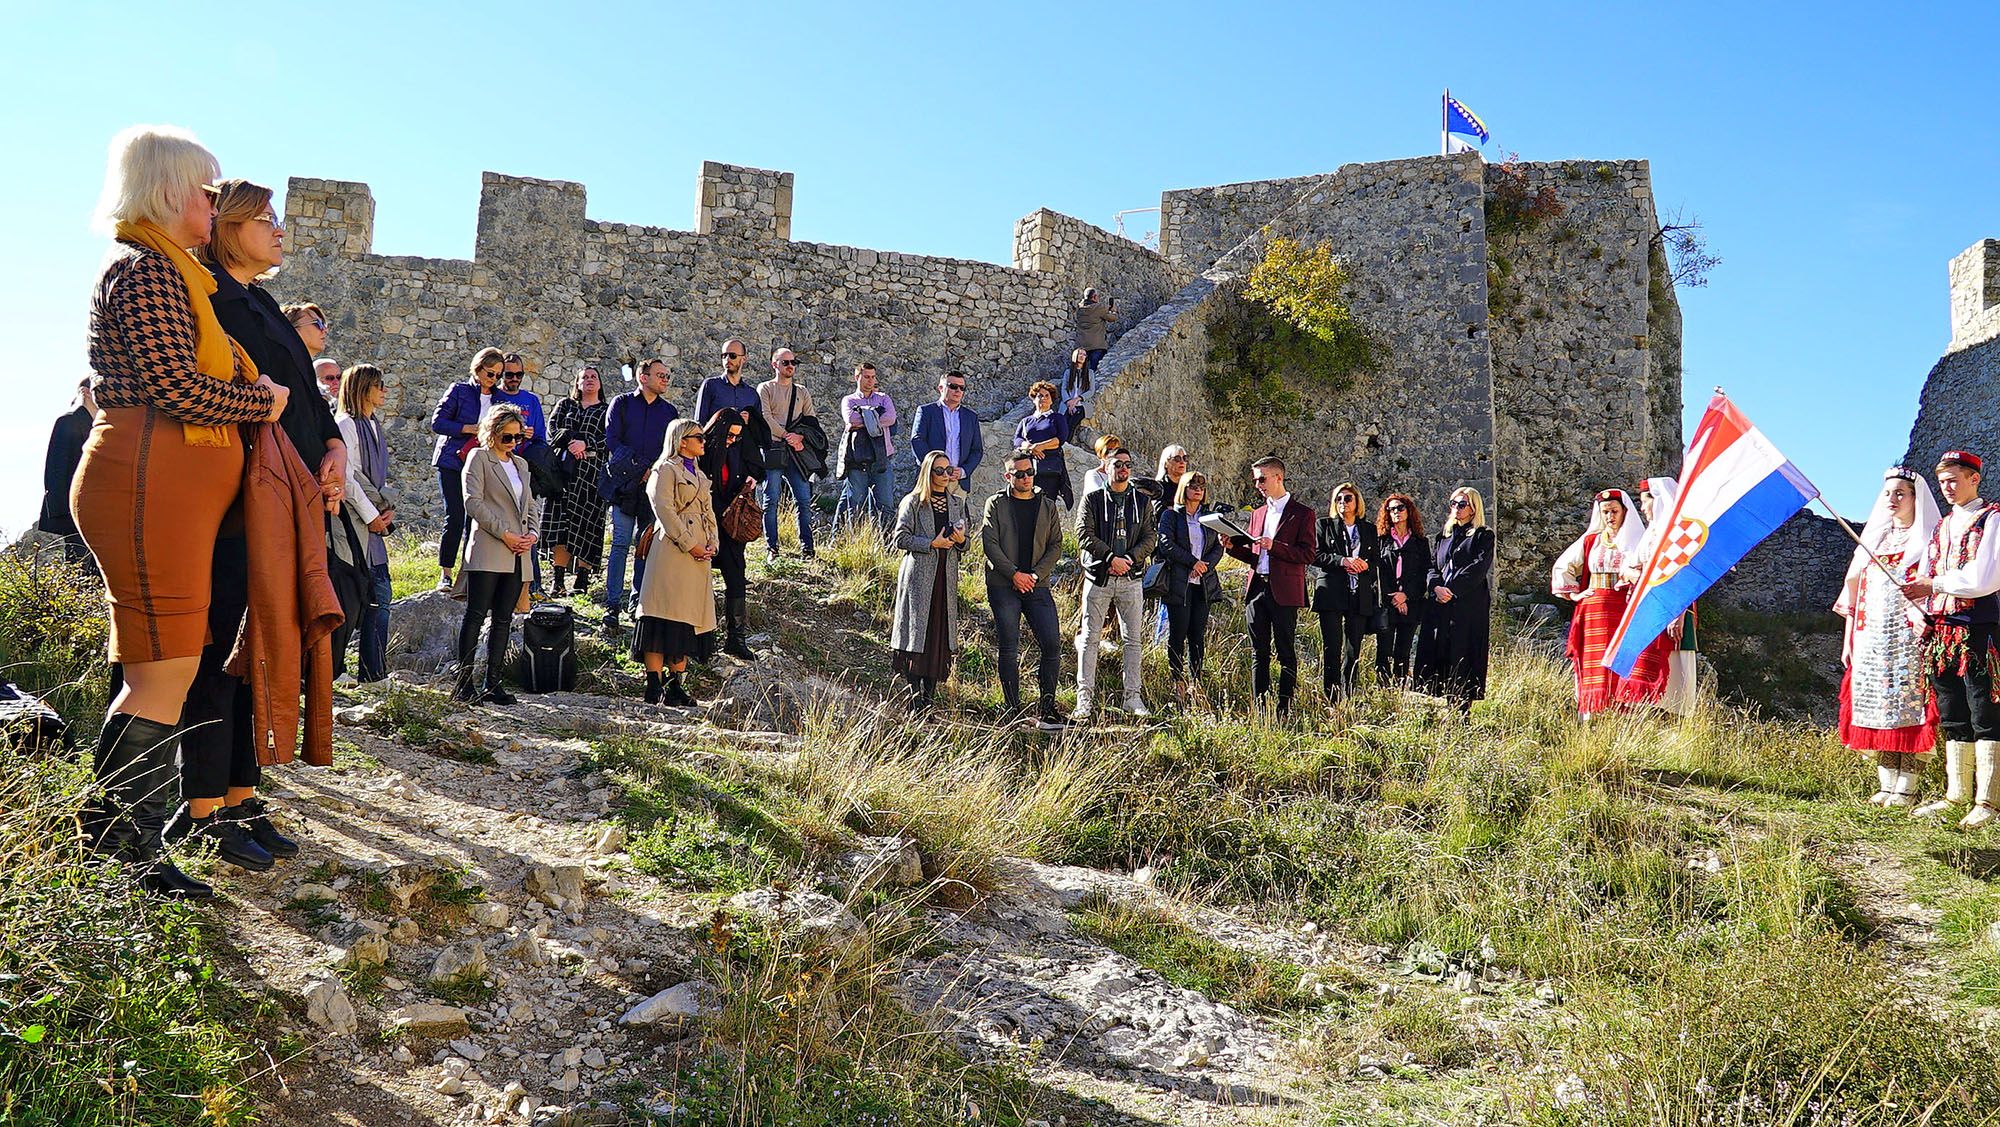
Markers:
<point>1283,332</point>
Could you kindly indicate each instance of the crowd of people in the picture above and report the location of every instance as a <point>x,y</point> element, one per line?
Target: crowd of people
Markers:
<point>267,559</point>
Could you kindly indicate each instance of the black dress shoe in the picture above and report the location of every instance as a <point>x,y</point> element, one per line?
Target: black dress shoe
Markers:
<point>256,821</point>
<point>496,693</point>
<point>232,843</point>
<point>165,880</point>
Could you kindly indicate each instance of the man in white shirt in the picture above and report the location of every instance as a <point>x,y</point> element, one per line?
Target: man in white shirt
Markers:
<point>1956,584</point>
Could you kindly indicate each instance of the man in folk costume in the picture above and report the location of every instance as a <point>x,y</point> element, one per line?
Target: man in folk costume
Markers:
<point>1958,578</point>
<point>1591,573</point>
<point>1674,648</point>
<point>1886,710</point>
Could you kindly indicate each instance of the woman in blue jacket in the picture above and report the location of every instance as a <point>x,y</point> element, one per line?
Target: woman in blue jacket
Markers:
<point>1043,433</point>
<point>456,422</point>
<point>1188,554</point>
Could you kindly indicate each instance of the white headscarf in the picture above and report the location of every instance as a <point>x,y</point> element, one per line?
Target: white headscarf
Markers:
<point>1631,532</point>
<point>1881,517</point>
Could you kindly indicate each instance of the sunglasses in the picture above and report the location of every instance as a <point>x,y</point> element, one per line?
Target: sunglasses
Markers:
<point>954,387</point>
<point>1019,474</point>
<point>512,437</point>
<point>512,377</point>
<point>1121,463</point>
<point>1398,509</point>
<point>731,355</point>
<point>320,325</point>
<point>788,363</point>
<point>940,471</point>
<point>271,218</point>
<point>1461,504</point>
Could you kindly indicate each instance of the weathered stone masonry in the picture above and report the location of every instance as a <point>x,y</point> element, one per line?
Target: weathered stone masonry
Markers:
<point>565,289</point>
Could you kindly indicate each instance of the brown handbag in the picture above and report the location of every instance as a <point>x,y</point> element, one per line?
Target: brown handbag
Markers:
<point>743,520</point>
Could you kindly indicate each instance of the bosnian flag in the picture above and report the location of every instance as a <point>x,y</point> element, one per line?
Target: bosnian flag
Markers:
<point>1736,489</point>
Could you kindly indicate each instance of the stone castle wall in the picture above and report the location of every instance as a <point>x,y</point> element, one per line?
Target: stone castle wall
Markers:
<point>1586,357</point>
<point>1081,255</point>
<point>1955,409</point>
<point>564,289</point>
<point>1199,226</point>
<point>1799,568</point>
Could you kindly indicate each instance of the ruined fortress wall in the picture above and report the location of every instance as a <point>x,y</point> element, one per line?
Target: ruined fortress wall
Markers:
<point>1955,409</point>
<point>1586,346</point>
<point>1411,234</point>
<point>1082,256</point>
<point>1200,225</point>
<point>564,289</point>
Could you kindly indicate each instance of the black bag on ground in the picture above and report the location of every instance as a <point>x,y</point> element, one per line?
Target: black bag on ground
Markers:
<point>547,663</point>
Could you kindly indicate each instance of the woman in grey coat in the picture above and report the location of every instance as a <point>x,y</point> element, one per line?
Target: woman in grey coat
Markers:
<point>931,534</point>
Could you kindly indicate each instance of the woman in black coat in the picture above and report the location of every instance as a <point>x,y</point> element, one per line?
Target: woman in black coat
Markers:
<point>219,770</point>
<point>1188,555</point>
<point>1451,655</point>
<point>1404,565</point>
<point>65,452</point>
<point>1348,593</point>
<point>727,460</point>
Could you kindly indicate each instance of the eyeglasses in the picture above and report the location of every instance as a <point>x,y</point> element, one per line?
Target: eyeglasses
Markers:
<point>511,438</point>
<point>1019,474</point>
<point>788,363</point>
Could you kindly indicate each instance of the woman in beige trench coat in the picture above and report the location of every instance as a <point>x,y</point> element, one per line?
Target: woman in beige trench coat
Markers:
<point>676,599</point>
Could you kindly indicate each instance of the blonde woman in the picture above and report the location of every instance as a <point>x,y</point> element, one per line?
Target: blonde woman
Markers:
<point>676,599</point>
<point>161,467</point>
<point>931,534</point>
<point>501,515</point>
<point>1458,616</point>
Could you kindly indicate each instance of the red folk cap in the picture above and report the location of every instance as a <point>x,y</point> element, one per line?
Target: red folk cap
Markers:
<point>1964,458</point>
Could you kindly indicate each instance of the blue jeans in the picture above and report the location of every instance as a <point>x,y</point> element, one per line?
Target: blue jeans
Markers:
<point>375,625</point>
<point>866,489</point>
<point>801,496</point>
<point>623,528</point>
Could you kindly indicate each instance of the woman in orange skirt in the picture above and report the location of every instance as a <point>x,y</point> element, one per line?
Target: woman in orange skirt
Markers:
<point>161,468</point>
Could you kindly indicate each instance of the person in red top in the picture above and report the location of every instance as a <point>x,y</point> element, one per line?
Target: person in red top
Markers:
<point>1279,547</point>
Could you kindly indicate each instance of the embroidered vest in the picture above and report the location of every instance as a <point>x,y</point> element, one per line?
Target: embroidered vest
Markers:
<point>1949,608</point>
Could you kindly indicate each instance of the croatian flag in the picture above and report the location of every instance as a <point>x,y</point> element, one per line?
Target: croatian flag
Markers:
<point>1736,489</point>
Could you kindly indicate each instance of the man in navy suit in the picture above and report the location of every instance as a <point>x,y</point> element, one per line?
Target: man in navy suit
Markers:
<point>947,426</point>
<point>1278,549</point>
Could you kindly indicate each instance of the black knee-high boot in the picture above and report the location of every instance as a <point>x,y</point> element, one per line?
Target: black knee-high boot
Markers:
<point>676,694</point>
<point>736,613</point>
<point>134,763</point>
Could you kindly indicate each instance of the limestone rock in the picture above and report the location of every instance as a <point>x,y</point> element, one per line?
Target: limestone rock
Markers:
<point>328,1006</point>
<point>892,862</point>
<point>490,914</point>
<point>459,962</point>
<point>527,948</point>
<point>430,1019</point>
<point>807,911</point>
<point>675,1007</point>
<point>428,625</point>
<point>360,944</point>
<point>405,883</point>
<point>558,886</point>
<point>612,840</point>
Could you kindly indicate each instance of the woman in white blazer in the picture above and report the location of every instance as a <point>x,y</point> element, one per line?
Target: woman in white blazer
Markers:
<point>502,514</point>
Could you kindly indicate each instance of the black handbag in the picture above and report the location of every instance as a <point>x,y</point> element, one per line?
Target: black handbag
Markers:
<point>779,454</point>
<point>1155,581</point>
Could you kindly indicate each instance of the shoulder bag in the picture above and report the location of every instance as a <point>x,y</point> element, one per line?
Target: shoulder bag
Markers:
<point>743,520</point>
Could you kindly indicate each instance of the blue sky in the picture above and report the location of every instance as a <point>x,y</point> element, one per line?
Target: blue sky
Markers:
<point>1837,153</point>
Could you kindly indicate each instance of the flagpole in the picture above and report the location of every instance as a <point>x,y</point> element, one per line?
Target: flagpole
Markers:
<point>1873,558</point>
<point>1444,124</point>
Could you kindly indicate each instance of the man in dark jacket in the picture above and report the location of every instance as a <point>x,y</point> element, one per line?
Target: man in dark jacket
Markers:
<point>1279,547</point>
<point>1022,534</point>
<point>635,428</point>
<point>1093,327</point>
<point>1117,530</point>
<point>949,426</point>
<point>66,441</point>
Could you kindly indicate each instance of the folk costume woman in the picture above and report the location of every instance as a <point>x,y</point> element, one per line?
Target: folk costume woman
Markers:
<point>1591,573</point>
<point>1885,705</point>
<point>1674,648</point>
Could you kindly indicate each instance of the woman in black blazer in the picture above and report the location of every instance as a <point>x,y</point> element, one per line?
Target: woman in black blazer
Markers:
<point>1451,655</point>
<point>1188,555</point>
<point>1348,593</point>
<point>1404,566</point>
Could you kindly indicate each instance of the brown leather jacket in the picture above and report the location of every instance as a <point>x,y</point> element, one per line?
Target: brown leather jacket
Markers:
<point>293,610</point>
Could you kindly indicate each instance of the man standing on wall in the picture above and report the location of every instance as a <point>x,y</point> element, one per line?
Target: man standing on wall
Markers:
<point>1093,325</point>
<point>729,390</point>
<point>866,449</point>
<point>1956,585</point>
<point>783,402</point>
<point>1279,547</point>
<point>950,427</point>
<point>1116,528</point>
<point>635,428</point>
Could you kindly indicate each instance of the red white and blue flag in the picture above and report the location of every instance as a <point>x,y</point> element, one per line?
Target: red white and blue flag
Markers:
<point>1736,489</point>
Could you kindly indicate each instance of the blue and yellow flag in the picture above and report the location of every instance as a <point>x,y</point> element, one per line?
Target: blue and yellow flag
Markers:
<point>1458,119</point>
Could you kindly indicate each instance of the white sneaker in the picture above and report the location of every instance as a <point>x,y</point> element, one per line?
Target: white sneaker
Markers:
<point>1138,708</point>
<point>1085,707</point>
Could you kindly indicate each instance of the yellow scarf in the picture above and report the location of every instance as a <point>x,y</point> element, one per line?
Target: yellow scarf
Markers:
<point>215,354</point>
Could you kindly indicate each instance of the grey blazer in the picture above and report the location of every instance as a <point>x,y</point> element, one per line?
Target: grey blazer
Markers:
<point>492,508</point>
